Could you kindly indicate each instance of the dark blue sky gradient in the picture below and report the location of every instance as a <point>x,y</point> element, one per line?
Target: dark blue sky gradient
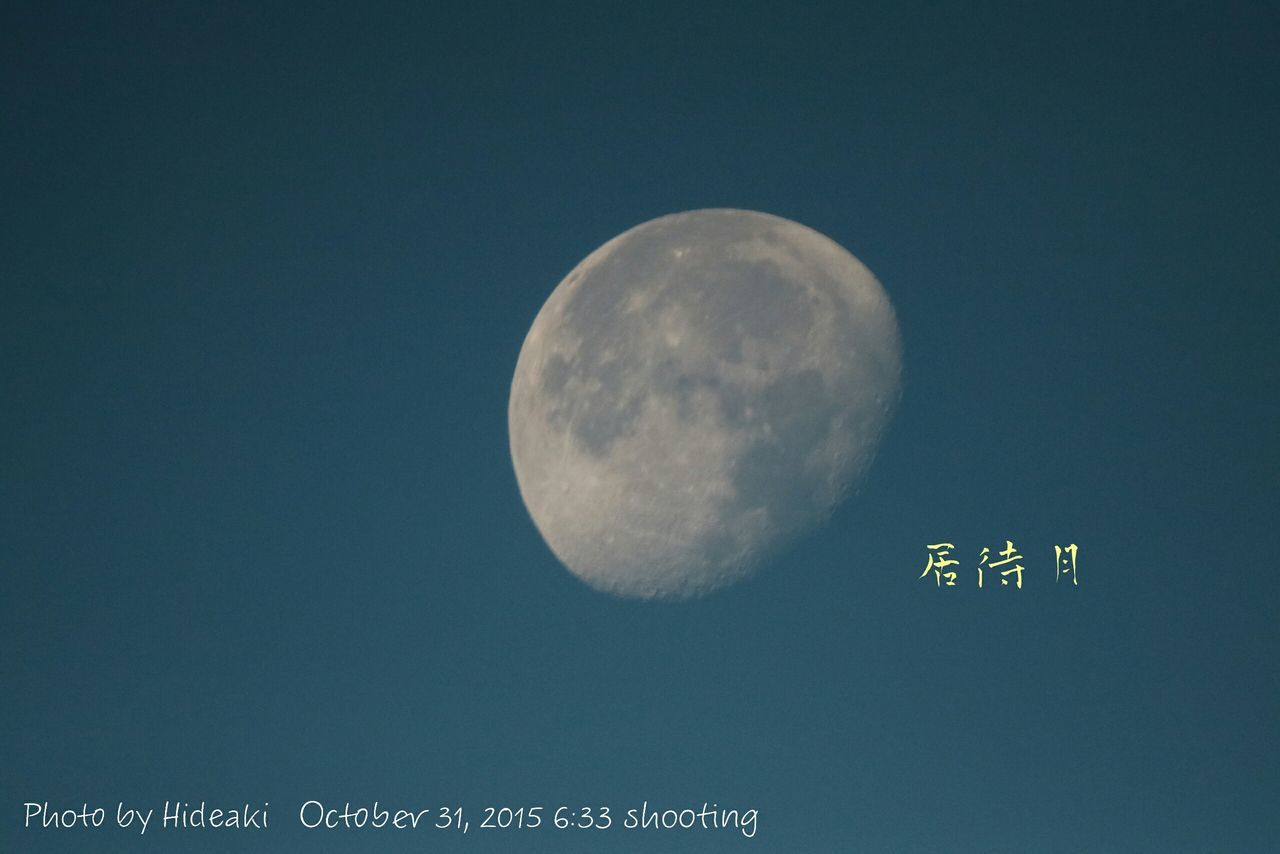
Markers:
<point>264,275</point>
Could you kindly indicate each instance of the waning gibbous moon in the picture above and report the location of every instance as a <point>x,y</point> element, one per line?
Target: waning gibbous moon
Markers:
<point>698,392</point>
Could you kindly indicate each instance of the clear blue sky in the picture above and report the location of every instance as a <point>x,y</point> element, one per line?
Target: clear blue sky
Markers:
<point>264,274</point>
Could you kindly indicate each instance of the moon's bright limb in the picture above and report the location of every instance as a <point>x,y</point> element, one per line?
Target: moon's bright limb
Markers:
<point>698,391</point>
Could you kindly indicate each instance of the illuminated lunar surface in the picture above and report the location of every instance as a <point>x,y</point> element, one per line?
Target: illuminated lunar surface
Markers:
<point>696,393</point>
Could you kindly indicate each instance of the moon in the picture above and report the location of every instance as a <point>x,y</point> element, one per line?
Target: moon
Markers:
<point>697,393</point>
